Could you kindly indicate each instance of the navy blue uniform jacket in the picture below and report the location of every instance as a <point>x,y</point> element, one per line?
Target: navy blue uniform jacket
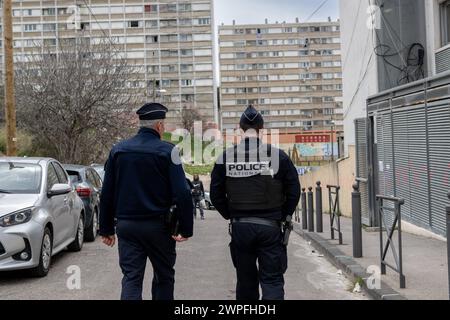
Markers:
<point>142,182</point>
<point>288,175</point>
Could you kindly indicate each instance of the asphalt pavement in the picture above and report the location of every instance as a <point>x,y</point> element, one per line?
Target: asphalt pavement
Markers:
<point>203,272</point>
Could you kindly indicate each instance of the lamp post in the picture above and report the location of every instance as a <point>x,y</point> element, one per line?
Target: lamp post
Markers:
<point>332,122</point>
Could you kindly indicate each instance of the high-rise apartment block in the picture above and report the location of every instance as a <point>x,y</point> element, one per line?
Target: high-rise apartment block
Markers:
<point>171,43</point>
<point>290,71</point>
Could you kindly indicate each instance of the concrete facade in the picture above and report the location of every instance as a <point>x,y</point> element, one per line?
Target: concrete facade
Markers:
<point>290,71</point>
<point>171,43</point>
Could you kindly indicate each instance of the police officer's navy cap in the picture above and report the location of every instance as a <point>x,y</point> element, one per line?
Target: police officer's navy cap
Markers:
<point>152,111</point>
<point>252,117</point>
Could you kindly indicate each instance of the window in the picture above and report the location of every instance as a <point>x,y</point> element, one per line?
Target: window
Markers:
<point>186,52</point>
<point>184,7</point>
<point>30,27</point>
<point>62,176</point>
<point>185,22</point>
<point>203,21</point>
<point>49,27</point>
<point>168,38</point>
<point>61,11</point>
<point>150,8</point>
<point>151,39</point>
<point>167,8</point>
<point>185,37</point>
<point>151,23</point>
<point>50,42</point>
<point>445,22</point>
<point>133,24</point>
<point>52,177</point>
<point>49,12</point>
<point>186,67</point>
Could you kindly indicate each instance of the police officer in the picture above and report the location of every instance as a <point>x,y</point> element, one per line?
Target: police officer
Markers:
<point>256,186</point>
<point>142,182</point>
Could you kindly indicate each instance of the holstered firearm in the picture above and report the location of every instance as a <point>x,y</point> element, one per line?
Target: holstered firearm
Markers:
<point>287,228</point>
<point>171,221</point>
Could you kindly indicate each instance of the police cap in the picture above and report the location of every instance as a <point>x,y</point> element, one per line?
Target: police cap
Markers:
<point>152,111</point>
<point>251,117</point>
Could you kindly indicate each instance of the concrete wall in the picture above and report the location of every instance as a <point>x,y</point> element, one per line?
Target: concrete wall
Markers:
<point>359,67</point>
<point>340,173</point>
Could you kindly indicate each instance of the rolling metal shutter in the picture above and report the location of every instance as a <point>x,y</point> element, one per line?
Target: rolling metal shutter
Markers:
<point>443,60</point>
<point>361,167</point>
<point>385,161</point>
<point>402,160</point>
<point>439,145</point>
<point>418,166</point>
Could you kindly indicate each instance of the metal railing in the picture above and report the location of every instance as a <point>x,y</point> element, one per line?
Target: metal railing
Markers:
<point>304,212</point>
<point>319,213</point>
<point>356,221</point>
<point>335,212</point>
<point>389,229</point>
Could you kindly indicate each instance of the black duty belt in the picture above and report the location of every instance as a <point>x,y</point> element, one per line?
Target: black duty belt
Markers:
<point>260,221</point>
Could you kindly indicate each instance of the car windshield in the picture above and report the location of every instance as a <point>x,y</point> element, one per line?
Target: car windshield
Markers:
<point>20,178</point>
<point>74,176</point>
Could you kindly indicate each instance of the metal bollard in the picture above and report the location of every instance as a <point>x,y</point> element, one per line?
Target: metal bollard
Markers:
<point>356,222</point>
<point>310,210</point>
<point>304,212</point>
<point>319,220</point>
<point>448,246</point>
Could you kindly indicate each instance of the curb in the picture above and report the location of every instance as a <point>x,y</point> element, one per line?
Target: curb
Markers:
<point>348,265</point>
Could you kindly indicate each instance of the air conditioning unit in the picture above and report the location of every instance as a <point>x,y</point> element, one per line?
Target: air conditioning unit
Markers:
<point>443,59</point>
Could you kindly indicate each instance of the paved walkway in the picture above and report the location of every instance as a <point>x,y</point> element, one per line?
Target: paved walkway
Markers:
<point>424,261</point>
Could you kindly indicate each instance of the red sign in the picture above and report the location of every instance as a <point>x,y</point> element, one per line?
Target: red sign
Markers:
<point>316,138</point>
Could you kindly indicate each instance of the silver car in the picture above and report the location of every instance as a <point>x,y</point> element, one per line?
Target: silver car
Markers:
<point>40,214</point>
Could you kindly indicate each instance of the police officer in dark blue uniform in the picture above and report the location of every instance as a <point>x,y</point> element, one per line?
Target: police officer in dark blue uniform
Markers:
<point>143,180</point>
<point>256,186</point>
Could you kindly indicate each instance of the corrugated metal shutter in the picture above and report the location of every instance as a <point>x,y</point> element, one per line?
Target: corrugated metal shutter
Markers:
<point>361,166</point>
<point>417,137</point>
<point>402,160</point>
<point>439,144</point>
<point>385,161</point>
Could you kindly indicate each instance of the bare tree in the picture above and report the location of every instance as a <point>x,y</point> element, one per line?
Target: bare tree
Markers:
<point>189,117</point>
<point>75,98</point>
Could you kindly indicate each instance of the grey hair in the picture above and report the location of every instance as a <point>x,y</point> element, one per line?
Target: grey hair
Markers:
<point>149,123</point>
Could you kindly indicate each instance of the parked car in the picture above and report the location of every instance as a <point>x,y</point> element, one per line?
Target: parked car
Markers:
<point>88,185</point>
<point>40,214</point>
<point>209,205</point>
<point>100,170</point>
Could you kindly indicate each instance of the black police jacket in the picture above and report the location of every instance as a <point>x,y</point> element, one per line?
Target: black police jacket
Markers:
<point>142,182</point>
<point>284,173</point>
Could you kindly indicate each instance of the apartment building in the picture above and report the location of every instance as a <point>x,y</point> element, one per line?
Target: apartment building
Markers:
<point>290,71</point>
<point>170,42</point>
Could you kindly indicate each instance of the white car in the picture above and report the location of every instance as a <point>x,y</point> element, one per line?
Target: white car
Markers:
<point>40,214</point>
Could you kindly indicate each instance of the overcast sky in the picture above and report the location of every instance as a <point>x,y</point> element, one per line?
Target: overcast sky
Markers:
<point>255,11</point>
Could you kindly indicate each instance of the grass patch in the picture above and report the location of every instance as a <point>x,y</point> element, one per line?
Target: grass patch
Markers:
<point>200,170</point>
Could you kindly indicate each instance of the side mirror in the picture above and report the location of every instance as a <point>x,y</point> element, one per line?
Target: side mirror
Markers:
<point>59,189</point>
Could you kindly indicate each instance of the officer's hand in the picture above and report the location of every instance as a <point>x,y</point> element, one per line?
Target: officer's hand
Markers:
<point>110,241</point>
<point>180,238</point>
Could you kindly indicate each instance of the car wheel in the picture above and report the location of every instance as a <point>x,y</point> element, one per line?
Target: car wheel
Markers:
<point>77,244</point>
<point>91,233</point>
<point>45,257</point>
